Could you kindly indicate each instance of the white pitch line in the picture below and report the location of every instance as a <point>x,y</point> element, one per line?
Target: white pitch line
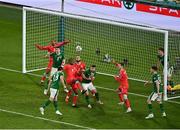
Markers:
<point>139,95</point>
<point>109,89</point>
<point>45,119</point>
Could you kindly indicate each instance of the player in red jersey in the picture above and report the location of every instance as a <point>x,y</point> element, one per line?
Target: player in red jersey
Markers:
<point>71,79</point>
<point>122,91</point>
<point>51,49</point>
<point>80,66</point>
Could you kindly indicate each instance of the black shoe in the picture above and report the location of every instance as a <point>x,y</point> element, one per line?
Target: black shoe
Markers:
<point>83,92</point>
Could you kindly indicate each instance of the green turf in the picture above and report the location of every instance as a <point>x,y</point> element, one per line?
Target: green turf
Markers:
<point>22,93</point>
<point>10,41</point>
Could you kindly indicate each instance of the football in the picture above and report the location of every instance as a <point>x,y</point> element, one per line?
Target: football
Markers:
<point>78,48</point>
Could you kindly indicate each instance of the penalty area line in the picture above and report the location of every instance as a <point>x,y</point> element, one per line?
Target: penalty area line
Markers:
<point>45,119</point>
<point>104,88</point>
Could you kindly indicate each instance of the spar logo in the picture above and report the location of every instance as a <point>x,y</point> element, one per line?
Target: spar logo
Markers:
<point>112,3</point>
<point>157,10</point>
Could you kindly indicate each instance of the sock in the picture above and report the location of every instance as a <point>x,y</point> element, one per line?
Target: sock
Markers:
<point>127,103</point>
<point>150,108</point>
<point>43,78</point>
<point>46,103</point>
<point>55,105</point>
<point>87,99</point>
<point>97,96</point>
<point>121,97</point>
<point>45,75</point>
<point>161,107</point>
<point>75,99</point>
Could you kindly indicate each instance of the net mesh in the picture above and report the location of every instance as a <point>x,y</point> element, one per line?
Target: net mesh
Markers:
<point>40,28</point>
<point>174,63</point>
<point>100,44</point>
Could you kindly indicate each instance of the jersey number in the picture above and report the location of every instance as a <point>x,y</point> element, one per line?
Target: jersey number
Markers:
<point>55,78</point>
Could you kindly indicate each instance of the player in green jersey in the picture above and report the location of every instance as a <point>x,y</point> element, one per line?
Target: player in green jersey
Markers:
<point>161,62</point>
<point>57,77</point>
<point>58,61</point>
<point>87,84</point>
<point>157,92</point>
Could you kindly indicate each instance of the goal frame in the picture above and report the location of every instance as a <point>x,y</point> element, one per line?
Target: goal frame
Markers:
<point>62,14</point>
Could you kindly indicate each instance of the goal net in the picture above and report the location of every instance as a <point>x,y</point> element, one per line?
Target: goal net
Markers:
<point>174,65</point>
<point>100,42</point>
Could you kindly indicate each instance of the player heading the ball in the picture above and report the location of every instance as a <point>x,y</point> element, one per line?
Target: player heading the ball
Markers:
<point>50,48</point>
<point>58,61</point>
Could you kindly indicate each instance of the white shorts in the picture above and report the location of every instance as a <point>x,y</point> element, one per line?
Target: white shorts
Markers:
<point>154,96</point>
<point>88,86</point>
<point>53,70</point>
<point>54,93</point>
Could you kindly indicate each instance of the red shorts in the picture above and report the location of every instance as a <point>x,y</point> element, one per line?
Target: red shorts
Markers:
<point>70,81</point>
<point>76,86</point>
<point>79,78</point>
<point>123,90</point>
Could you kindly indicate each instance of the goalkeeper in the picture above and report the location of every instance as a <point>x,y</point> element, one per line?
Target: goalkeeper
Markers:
<point>50,48</point>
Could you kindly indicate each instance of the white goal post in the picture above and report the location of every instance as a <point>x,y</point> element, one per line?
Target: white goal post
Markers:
<point>25,56</point>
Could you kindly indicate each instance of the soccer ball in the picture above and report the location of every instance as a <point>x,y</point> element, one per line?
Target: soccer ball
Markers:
<point>78,48</point>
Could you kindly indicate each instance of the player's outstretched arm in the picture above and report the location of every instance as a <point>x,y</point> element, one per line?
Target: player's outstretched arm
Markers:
<point>41,47</point>
<point>116,77</point>
<point>147,83</point>
<point>59,44</point>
